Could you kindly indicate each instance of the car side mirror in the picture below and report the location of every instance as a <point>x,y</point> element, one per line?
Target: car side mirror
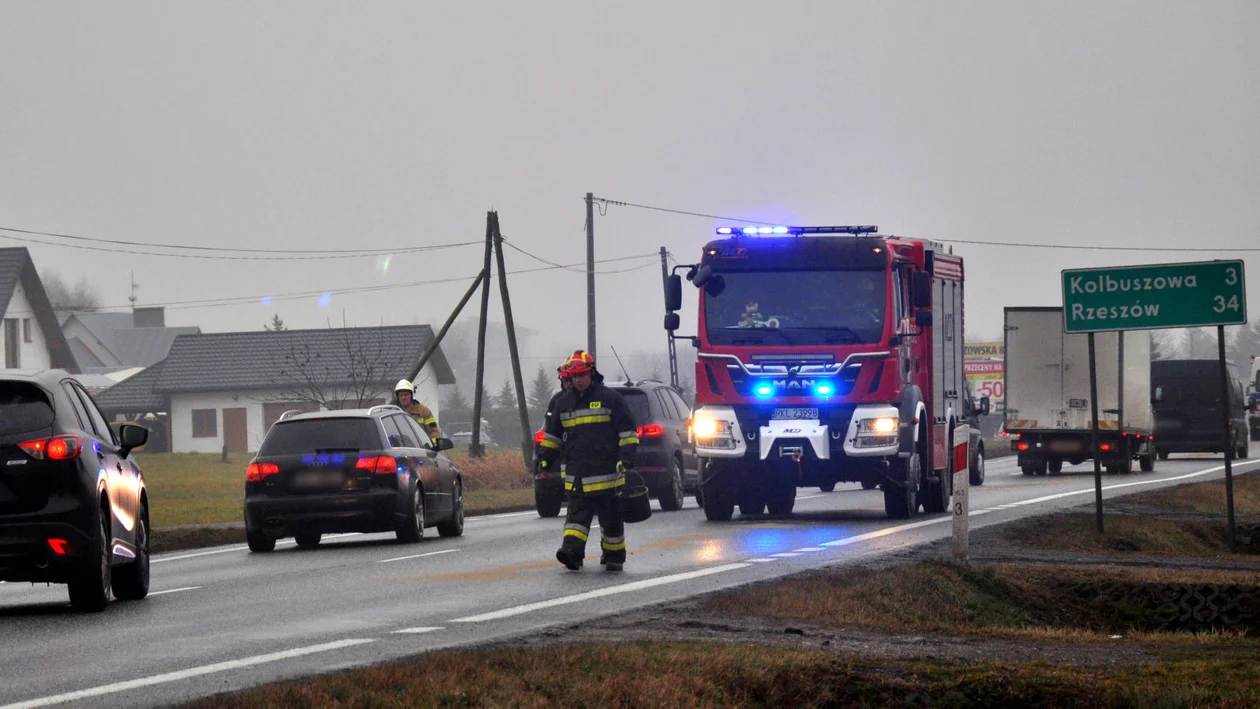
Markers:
<point>1157,396</point>
<point>442,444</point>
<point>984,406</point>
<point>671,321</point>
<point>922,289</point>
<point>673,293</point>
<point>923,318</point>
<point>131,436</point>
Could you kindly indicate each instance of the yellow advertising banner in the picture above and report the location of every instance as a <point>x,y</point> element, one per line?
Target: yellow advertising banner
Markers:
<point>983,365</point>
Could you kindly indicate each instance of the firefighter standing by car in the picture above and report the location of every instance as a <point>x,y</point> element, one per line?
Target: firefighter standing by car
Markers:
<point>405,397</point>
<point>593,429</point>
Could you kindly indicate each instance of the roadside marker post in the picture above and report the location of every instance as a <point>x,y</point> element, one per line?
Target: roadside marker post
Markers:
<point>960,468</point>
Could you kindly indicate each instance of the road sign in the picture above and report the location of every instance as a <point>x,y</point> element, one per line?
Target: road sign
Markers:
<point>1154,297</point>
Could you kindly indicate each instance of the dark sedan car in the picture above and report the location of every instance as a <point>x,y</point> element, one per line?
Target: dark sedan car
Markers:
<point>356,470</point>
<point>665,459</point>
<point>73,505</point>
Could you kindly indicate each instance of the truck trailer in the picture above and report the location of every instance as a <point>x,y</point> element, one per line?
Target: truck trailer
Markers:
<point>825,355</point>
<point>1048,412</point>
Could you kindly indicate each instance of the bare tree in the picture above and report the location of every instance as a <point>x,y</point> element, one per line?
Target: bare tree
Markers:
<point>82,296</point>
<point>357,372</point>
<point>276,324</point>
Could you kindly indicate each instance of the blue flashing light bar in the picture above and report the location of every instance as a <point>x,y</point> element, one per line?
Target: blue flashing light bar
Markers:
<point>823,390</point>
<point>793,230</point>
<point>764,390</point>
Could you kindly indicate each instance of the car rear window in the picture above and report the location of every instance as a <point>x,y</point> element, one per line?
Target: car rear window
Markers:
<point>23,407</point>
<point>305,436</point>
<point>638,403</point>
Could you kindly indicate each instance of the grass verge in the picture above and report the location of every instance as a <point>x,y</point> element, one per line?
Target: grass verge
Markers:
<point>197,488</point>
<point>722,675</point>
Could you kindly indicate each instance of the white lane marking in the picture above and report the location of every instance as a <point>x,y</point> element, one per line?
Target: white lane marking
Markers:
<point>225,550</point>
<point>173,590</point>
<point>759,561</point>
<point>785,555</point>
<point>185,674</point>
<point>502,515</point>
<point>808,497</point>
<point>417,630</point>
<point>810,549</point>
<point>590,595</point>
<point>416,556</point>
<point>1118,486</point>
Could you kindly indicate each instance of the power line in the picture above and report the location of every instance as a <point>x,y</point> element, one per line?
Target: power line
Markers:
<point>571,268</point>
<point>952,241</point>
<point>286,254</point>
<point>247,299</point>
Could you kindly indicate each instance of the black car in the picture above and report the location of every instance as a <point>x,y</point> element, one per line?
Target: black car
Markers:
<point>665,459</point>
<point>355,470</point>
<point>73,505</point>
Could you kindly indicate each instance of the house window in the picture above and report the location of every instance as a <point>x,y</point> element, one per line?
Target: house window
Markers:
<point>12,348</point>
<point>205,423</point>
<point>26,329</point>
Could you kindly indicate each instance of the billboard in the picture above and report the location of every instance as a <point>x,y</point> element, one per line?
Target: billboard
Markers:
<point>984,367</point>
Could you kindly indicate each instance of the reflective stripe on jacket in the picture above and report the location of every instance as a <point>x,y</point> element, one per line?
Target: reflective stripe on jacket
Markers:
<point>593,431</point>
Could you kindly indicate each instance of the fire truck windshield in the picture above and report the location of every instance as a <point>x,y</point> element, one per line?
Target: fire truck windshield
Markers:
<point>797,308</point>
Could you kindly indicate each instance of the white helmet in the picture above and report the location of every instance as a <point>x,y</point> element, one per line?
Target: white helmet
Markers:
<point>404,385</point>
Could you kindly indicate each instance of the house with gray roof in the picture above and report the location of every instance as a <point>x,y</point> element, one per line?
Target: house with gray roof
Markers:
<point>226,389</point>
<point>32,335</point>
<point>103,342</point>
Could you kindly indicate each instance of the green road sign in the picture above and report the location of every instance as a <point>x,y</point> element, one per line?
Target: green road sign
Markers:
<point>1154,297</point>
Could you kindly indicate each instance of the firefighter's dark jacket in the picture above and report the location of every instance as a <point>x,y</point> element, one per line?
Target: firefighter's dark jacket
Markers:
<point>593,430</point>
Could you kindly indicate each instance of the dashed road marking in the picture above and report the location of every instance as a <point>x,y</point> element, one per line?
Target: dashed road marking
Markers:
<point>416,556</point>
<point>416,631</point>
<point>173,590</point>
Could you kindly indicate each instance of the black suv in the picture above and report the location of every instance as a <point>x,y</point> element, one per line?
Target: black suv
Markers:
<point>665,459</point>
<point>73,506</point>
<point>355,470</point>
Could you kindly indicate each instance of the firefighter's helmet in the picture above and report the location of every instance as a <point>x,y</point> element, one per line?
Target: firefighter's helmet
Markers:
<point>405,385</point>
<point>580,363</point>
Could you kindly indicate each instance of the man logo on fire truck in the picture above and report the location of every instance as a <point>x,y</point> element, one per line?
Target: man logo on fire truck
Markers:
<point>859,379</point>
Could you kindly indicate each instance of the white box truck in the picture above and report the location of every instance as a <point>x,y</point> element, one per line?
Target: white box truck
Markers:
<point>1048,415</point>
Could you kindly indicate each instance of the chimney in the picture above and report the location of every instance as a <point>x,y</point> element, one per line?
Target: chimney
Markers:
<point>149,317</point>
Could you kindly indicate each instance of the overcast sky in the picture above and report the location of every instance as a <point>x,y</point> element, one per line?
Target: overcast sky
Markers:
<point>317,125</point>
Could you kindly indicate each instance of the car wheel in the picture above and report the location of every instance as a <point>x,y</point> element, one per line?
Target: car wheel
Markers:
<point>870,484</point>
<point>131,581</point>
<point>547,503</point>
<point>1146,463</point>
<point>699,495</point>
<point>903,502</point>
<point>1028,470</point>
<point>411,529</point>
<point>259,542</point>
<point>672,497</point>
<point>1055,466</point>
<point>90,592</point>
<point>828,487</point>
<point>307,540</point>
<point>454,527</point>
<point>976,475</point>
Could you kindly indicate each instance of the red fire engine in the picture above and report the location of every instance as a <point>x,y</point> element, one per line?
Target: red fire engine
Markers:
<point>826,355</point>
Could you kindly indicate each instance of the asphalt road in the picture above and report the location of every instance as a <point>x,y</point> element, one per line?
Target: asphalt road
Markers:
<point>221,619</point>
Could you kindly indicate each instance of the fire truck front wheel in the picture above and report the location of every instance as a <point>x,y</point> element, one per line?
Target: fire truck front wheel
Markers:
<point>901,501</point>
<point>717,490</point>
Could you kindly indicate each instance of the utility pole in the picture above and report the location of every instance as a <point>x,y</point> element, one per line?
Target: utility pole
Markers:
<point>527,447</point>
<point>475,449</point>
<point>673,354</point>
<point>590,273</point>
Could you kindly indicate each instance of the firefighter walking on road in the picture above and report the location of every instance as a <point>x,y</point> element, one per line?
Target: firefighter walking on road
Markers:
<point>593,429</point>
<point>405,397</point>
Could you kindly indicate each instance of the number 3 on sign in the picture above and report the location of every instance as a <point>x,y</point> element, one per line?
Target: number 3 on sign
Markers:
<point>1222,305</point>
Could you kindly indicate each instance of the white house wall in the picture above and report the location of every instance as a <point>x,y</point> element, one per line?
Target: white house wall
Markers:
<point>182,406</point>
<point>33,354</point>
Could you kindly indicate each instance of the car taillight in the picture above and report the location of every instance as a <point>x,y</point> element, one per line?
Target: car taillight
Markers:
<point>56,448</point>
<point>1023,446</point>
<point>1105,446</point>
<point>257,471</point>
<point>538,437</point>
<point>378,465</point>
<point>650,430</point>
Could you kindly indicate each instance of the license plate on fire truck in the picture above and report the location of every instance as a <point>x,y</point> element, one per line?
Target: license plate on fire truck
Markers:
<point>794,414</point>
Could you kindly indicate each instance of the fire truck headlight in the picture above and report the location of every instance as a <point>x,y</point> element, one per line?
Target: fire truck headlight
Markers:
<point>704,427</point>
<point>884,424</point>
